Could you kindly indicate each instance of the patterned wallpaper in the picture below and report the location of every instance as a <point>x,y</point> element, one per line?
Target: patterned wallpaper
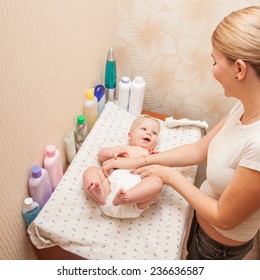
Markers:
<point>168,42</point>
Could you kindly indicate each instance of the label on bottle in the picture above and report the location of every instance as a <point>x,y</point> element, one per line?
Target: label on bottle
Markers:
<point>80,135</point>
<point>30,215</point>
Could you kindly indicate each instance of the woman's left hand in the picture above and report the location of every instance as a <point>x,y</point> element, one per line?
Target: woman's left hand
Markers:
<point>161,171</point>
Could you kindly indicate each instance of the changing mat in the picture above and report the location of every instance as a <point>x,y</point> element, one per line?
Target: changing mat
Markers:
<point>73,221</point>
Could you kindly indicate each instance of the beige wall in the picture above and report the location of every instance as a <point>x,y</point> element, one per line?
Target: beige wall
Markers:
<point>169,44</point>
<point>51,51</point>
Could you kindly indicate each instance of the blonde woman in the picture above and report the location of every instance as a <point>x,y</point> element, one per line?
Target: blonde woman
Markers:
<point>227,206</point>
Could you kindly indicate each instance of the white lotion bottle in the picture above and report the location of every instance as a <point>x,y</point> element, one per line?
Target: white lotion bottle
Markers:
<point>52,163</point>
<point>137,96</point>
<point>124,92</point>
<point>70,146</point>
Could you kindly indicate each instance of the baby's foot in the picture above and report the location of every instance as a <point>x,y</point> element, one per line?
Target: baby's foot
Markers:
<point>120,198</point>
<point>96,192</point>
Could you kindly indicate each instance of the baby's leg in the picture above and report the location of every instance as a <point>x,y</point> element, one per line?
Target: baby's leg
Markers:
<point>96,184</point>
<point>143,193</point>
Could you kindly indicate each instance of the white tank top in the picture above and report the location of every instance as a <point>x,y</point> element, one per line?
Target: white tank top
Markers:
<point>235,145</point>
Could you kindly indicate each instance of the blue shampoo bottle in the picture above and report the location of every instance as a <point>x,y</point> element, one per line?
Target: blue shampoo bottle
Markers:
<point>101,97</point>
<point>30,210</point>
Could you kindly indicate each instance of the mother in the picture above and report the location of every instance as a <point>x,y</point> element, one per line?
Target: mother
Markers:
<point>227,206</point>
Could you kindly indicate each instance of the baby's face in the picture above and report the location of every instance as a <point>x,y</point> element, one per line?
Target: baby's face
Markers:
<point>144,133</point>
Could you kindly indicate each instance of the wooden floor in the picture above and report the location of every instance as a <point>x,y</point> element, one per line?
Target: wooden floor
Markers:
<point>254,254</point>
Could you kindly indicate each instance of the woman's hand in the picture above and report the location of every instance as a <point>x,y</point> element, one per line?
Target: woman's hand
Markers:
<point>164,172</point>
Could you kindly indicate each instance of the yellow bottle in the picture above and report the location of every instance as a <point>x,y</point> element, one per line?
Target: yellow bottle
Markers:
<point>90,108</point>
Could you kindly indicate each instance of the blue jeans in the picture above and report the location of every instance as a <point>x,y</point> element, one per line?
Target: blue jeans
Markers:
<point>202,247</point>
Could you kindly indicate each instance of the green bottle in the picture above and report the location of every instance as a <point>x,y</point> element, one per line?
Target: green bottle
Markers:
<point>110,76</point>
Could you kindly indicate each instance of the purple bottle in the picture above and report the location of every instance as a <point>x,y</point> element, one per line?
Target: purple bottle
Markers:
<point>39,185</point>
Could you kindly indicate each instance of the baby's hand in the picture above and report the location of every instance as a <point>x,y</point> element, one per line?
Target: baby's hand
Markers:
<point>151,152</point>
<point>120,154</point>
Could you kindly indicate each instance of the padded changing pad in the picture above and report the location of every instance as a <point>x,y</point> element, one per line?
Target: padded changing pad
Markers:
<point>73,221</point>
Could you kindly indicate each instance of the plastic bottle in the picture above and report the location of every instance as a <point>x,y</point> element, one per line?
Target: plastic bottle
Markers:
<point>40,185</point>
<point>137,96</point>
<point>81,131</point>
<point>99,92</point>
<point>124,92</point>
<point>90,108</point>
<point>70,146</point>
<point>110,76</point>
<point>52,163</point>
<point>30,210</point>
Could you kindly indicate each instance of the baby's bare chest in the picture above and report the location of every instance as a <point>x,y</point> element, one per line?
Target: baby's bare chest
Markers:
<point>135,151</point>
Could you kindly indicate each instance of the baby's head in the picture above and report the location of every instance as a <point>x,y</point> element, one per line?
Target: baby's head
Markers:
<point>144,132</point>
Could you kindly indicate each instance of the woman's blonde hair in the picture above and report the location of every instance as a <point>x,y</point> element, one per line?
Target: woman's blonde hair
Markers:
<point>237,36</point>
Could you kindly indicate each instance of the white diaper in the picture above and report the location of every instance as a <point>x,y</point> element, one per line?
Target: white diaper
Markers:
<point>118,179</point>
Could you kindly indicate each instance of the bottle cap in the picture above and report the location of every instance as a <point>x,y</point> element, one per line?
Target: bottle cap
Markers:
<point>28,201</point>
<point>110,55</point>
<point>80,119</point>
<point>99,91</point>
<point>110,74</point>
<point>90,94</point>
<point>50,151</point>
<point>139,79</point>
<point>125,79</point>
<point>36,171</point>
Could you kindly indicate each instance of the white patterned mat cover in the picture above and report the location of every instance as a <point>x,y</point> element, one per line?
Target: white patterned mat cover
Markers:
<point>71,220</point>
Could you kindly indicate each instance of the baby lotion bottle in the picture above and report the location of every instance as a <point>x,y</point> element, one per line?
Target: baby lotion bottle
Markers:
<point>40,185</point>
<point>90,109</point>
<point>124,92</point>
<point>137,96</point>
<point>30,210</point>
<point>52,163</point>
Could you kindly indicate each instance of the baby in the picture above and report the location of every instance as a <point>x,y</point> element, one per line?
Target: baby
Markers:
<point>122,194</point>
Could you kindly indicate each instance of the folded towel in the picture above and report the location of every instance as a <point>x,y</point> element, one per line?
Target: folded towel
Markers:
<point>171,122</point>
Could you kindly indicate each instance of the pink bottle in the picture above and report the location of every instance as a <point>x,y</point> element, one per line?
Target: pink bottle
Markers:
<point>52,163</point>
<point>40,185</point>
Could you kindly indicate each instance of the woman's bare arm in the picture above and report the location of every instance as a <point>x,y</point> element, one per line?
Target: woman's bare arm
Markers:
<point>185,155</point>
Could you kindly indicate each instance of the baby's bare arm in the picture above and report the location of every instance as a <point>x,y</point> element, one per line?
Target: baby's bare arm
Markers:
<point>112,152</point>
